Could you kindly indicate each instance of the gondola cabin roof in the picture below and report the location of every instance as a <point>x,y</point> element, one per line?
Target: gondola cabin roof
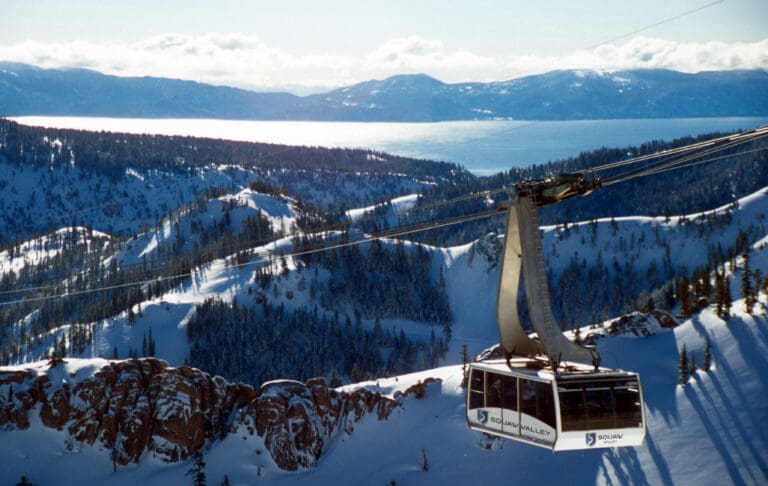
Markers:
<point>540,369</point>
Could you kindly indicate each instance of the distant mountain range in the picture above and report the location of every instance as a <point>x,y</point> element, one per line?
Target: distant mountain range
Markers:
<point>557,95</point>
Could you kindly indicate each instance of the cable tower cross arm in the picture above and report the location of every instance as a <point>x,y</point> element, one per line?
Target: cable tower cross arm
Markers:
<point>543,192</point>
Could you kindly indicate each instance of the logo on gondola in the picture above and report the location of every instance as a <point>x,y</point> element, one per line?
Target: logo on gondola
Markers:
<point>591,439</point>
<point>482,416</point>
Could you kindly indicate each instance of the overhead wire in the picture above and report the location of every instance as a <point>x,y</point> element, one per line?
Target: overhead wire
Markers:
<point>713,159</point>
<point>761,131</point>
<point>655,24</point>
<point>701,150</point>
<point>242,245</point>
<point>267,255</point>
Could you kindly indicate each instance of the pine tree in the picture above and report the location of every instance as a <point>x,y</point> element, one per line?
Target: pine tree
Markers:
<point>723,295</point>
<point>692,366</point>
<point>198,470</point>
<point>719,294</point>
<point>62,348</point>
<point>425,463</point>
<point>706,285</point>
<point>682,366</point>
<point>747,291</point>
<point>151,343</point>
<point>707,355</point>
<point>685,298</point>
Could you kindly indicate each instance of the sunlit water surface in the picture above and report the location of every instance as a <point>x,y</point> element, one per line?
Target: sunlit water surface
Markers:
<point>483,147</point>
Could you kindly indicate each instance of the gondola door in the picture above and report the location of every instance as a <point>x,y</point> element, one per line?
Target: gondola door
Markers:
<point>492,405</point>
<point>537,412</point>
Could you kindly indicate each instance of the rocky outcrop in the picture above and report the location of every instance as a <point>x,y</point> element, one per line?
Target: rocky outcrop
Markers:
<point>489,248</point>
<point>135,407</point>
<point>296,419</point>
<point>638,324</point>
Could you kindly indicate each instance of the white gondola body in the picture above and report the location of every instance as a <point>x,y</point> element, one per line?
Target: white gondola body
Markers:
<point>578,409</point>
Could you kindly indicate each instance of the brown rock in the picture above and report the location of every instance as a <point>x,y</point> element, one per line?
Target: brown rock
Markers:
<point>664,319</point>
<point>139,406</point>
<point>55,410</point>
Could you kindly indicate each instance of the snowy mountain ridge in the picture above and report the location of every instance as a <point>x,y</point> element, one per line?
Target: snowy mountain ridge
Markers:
<point>556,95</point>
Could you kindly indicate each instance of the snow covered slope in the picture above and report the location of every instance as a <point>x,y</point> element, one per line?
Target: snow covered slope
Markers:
<point>470,272</point>
<point>710,431</point>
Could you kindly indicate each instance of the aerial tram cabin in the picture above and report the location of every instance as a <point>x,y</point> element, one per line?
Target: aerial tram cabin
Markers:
<point>528,395</point>
<point>577,409</point>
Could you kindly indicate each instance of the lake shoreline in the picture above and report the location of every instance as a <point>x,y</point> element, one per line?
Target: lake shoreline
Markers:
<point>483,147</point>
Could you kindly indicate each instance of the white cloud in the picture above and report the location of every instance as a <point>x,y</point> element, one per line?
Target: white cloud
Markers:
<point>643,52</point>
<point>246,61</point>
<point>415,54</point>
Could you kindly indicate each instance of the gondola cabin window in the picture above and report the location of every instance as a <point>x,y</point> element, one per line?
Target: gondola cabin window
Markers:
<point>600,405</point>
<point>537,401</point>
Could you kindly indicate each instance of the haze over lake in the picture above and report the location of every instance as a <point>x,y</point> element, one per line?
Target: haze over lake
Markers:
<point>483,147</point>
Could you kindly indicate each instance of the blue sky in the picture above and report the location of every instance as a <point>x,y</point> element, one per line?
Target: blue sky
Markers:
<point>309,45</point>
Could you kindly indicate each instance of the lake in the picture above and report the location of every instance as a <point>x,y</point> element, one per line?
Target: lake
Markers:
<point>483,147</point>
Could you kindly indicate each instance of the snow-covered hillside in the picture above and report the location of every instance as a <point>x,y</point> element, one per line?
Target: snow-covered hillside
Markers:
<point>710,431</point>
<point>35,198</point>
<point>40,250</point>
<point>470,272</point>
<point>231,210</point>
<point>634,243</point>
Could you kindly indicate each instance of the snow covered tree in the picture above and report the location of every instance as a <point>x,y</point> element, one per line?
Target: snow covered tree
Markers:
<point>747,289</point>
<point>692,365</point>
<point>682,366</point>
<point>151,344</point>
<point>722,295</point>
<point>684,297</point>
<point>198,470</point>
<point>707,355</point>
